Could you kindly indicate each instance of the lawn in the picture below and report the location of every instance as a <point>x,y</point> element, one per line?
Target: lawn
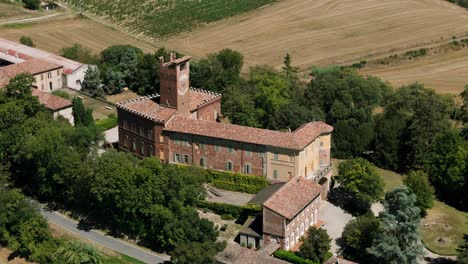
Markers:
<point>101,109</point>
<point>108,123</point>
<point>443,228</point>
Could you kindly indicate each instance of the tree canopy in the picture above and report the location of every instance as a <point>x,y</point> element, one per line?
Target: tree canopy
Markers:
<point>315,245</point>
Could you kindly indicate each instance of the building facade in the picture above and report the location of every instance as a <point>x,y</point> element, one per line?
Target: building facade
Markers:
<point>182,126</point>
<point>47,76</point>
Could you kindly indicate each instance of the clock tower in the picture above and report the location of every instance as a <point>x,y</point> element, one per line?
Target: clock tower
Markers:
<point>174,84</point>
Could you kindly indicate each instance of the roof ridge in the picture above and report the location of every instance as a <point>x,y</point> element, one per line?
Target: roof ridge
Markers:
<point>122,105</point>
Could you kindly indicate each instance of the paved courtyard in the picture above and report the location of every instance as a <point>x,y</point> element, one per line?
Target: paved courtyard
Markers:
<point>334,219</point>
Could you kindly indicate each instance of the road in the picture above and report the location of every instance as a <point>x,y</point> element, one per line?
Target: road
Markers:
<point>104,240</point>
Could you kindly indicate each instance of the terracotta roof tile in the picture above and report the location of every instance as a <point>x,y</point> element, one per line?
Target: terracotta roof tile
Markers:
<point>34,66</point>
<point>293,197</point>
<point>148,108</point>
<point>290,140</point>
<point>51,101</point>
<point>24,52</point>
<point>235,254</point>
<point>199,98</point>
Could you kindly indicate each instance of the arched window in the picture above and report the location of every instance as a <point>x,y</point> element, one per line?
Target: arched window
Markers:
<point>150,151</point>
<point>229,166</point>
<point>142,149</point>
<point>202,162</point>
<point>125,142</point>
<point>134,145</point>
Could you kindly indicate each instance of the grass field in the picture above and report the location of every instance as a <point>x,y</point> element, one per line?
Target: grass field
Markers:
<point>100,110</point>
<point>446,73</point>
<point>16,11</point>
<point>56,33</point>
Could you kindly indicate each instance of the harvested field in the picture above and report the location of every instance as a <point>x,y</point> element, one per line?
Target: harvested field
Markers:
<point>54,34</point>
<point>10,12</point>
<point>5,255</point>
<point>445,73</point>
<point>324,32</point>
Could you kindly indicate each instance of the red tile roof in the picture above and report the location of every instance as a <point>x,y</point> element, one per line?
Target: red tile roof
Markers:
<point>24,52</point>
<point>33,66</point>
<point>297,140</point>
<point>293,197</point>
<point>235,254</point>
<point>50,101</point>
<point>148,108</point>
<point>200,98</point>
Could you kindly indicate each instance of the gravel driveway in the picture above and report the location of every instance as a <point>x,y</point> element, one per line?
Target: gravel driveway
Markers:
<point>334,219</point>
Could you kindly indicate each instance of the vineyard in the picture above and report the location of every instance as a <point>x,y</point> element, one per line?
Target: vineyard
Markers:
<point>160,18</point>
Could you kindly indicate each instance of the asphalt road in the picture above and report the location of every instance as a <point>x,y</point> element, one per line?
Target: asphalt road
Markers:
<point>104,240</point>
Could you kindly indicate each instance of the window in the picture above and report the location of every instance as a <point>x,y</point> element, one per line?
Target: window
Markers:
<point>229,166</point>
<point>201,146</point>
<point>142,132</point>
<point>217,147</point>
<point>142,149</point>
<point>276,156</point>
<point>230,149</point>
<point>150,134</point>
<point>176,157</point>
<point>186,159</point>
<point>134,146</point>
<point>321,144</point>
<point>275,174</point>
<point>247,168</point>
<point>287,243</point>
<point>260,155</point>
<point>150,151</point>
<point>125,124</point>
<point>202,162</point>
<point>49,75</point>
<point>125,143</point>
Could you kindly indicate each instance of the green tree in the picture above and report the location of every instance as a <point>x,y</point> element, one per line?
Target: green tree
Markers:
<point>360,178</point>
<point>32,4</point>
<point>128,66</point>
<point>416,115</point>
<point>316,245</point>
<point>92,82</point>
<point>239,107</point>
<point>399,240</point>
<point>196,252</point>
<point>114,81</point>
<point>79,53</point>
<point>358,235</point>
<point>113,55</point>
<point>447,167</point>
<point>288,70</point>
<point>83,116</point>
<point>25,40</point>
<point>20,86</point>
<point>418,183</point>
<point>75,252</point>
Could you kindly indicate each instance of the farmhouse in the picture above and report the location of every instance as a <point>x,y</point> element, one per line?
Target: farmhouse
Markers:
<point>47,76</point>
<point>288,210</point>
<point>57,105</point>
<point>182,126</point>
<point>72,71</point>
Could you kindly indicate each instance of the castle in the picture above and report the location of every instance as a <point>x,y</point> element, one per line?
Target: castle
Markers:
<point>181,126</point>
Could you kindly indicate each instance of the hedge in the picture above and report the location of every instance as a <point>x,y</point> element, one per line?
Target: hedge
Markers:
<point>236,181</point>
<point>230,209</point>
<point>291,257</point>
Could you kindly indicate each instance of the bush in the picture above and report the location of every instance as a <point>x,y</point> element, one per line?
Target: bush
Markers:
<point>223,227</point>
<point>25,40</point>
<point>32,4</point>
<point>236,181</point>
<point>227,217</point>
<point>61,94</point>
<point>291,257</point>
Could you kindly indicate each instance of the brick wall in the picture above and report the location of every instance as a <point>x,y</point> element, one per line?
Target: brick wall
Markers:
<point>192,148</point>
<point>210,111</point>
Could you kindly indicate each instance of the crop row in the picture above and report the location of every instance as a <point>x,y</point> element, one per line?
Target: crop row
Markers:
<point>165,17</point>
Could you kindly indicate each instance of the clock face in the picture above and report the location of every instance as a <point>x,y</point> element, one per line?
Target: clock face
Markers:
<point>183,80</point>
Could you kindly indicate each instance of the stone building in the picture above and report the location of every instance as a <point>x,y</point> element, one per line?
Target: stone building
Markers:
<point>47,76</point>
<point>288,210</point>
<point>182,126</point>
<point>71,74</point>
<point>57,106</point>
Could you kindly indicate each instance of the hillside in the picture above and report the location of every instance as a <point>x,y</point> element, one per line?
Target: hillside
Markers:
<point>162,18</point>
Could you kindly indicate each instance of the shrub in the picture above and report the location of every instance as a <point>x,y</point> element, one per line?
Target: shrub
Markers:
<point>291,257</point>
<point>25,40</point>
<point>227,217</point>
<point>32,4</point>
<point>223,227</point>
<point>236,181</point>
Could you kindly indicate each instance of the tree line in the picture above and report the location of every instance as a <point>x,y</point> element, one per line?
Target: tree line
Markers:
<point>61,165</point>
